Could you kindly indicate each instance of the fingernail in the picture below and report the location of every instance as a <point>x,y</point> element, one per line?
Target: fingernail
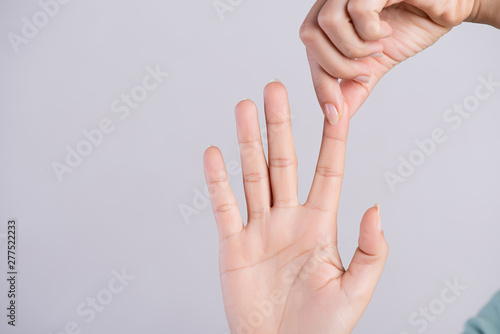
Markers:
<point>275,80</point>
<point>379,224</point>
<point>331,113</point>
<point>246,99</point>
<point>377,55</point>
<point>363,79</point>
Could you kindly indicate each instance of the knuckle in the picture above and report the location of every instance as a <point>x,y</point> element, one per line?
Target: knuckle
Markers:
<point>260,213</point>
<point>321,85</point>
<point>217,180</point>
<point>371,30</point>
<point>351,69</point>
<point>342,70</point>
<point>285,203</point>
<point>355,8</point>
<point>351,51</point>
<point>330,172</point>
<point>327,21</point>
<point>340,140</point>
<point>307,33</point>
<point>282,162</point>
<point>449,12</point>
<point>225,207</point>
<point>216,186</point>
<point>250,149</point>
<point>255,177</point>
<point>452,18</point>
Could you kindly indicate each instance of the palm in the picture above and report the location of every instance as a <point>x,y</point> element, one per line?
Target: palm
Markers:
<point>282,272</point>
<point>281,257</point>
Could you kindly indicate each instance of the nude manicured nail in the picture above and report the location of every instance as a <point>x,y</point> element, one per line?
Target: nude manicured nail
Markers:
<point>363,79</point>
<point>379,223</point>
<point>275,80</point>
<point>377,55</point>
<point>331,113</point>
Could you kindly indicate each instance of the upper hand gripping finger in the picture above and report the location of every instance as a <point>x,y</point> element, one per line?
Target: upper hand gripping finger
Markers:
<point>337,25</point>
<point>366,19</point>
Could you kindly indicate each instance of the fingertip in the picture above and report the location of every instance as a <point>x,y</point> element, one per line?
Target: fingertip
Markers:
<point>274,86</point>
<point>376,217</point>
<point>245,111</point>
<point>372,29</point>
<point>276,104</point>
<point>379,217</point>
<point>386,29</point>
<point>371,224</point>
<point>211,148</point>
<point>372,214</point>
<point>244,104</point>
<point>206,154</point>
<point>211,154</point>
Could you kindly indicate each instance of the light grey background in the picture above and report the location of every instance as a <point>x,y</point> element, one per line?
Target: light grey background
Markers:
<point>121,208</point>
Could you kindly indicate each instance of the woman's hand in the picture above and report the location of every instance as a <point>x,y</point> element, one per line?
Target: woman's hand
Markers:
<point>359,41</point>
<point>282,273</point>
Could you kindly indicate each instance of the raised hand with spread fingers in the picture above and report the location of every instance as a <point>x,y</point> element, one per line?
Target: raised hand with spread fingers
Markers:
<point>281,272</point>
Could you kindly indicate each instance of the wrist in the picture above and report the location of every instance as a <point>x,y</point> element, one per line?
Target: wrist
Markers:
<point>486,12</point>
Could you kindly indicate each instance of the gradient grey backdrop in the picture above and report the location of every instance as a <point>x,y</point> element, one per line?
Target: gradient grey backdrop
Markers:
<point>121,208</point>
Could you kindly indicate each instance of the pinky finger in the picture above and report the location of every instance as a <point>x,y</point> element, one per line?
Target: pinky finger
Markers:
<point>224,203</point>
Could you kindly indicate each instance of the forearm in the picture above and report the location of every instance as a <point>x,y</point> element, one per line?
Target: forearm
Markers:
<point>486,12</point>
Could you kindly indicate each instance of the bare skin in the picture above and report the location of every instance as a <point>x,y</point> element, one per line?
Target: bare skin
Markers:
<point>359,41</point>
<point>281,272</point>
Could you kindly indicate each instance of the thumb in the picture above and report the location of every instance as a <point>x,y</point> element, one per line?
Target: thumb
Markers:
<point>366,19</point>
<point>364,271</point>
